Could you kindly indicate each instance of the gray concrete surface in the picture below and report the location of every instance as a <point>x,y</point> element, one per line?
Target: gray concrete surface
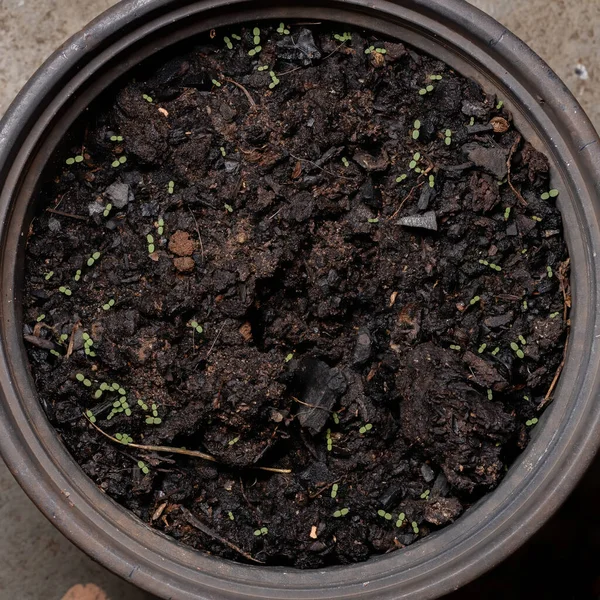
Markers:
<point>36,562</point>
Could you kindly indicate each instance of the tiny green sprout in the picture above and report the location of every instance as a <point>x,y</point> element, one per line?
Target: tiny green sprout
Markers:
<point>147,98</point>
<point>531,422</point>
<point>256,31</point>
<point>223,151</point>
<point>412,164</point>
<point>365,428</point>
<point>274,80</point>
<point>495,267</point>
<point>455,347</point>
<point>506,213</point>
<point>435,77</point>
<point>65,290</point>
<point>417,124</point>
<point>346,37</point>
<point>499,105</point>
<point>448,137</point>
<point>108,305</point>
<point>254,51</point>
<point>536,219</point>
<point>554,315</point>
<point>142,405</point>
<point>142,467</point>
<point>107,210</point>
<point>80,377</point>
<point>341,513</point>
<point>400,521</point>
<point>93,258</point>
<point>63,338</point>
<point>384,515</point>
<point>401,178</point>
<point>48,275</point>
<point>522,340</point>
<point>196,326</point>
<point>116,138</point>
<point>422,92</point>
<point>431,181</point>
<point>481,348</point>
<point>160,226</point>
<point>230,515</point>
<point>234,441</point>
<point>235,36</point>
<point>495,350</point>
<point>228,208</point>
<point>483,262</point>
<point>373,220</point>
<point>474,300</point>
<point>336,418</point>
<point>429,89</point>
<point>283,29</point>
<point>334,490</point>
<point>526,398</point>
<point>490,394</point>
<point>514,346</point>
<point>90,415</point>
<point>289,357</point>
<point>549,271</point>
<point>525,305</point>
<point>216,83</point>
<point>261,531</point>
<point>262,67</point>
<point>150,240</point>
<point>381,50</point>
<point>329,440</point>
<point>370,50</point>
<point>170,187</point>
<point>120,161</point>
<point>153,421</point>
<point>77,275</point>
<point>425,495</point>
<point>345,162</point>
<point>98,394</point>
<point>524,251</point>
<point>116,386</point>
<point>415,527</point>
<point>472,121</point>
<point>74,159</point>
<point>228,43</point>
<point>41,318</point>
<point>415,134</point>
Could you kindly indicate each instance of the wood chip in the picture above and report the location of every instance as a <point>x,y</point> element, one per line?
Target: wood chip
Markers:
<point>159,511</point>
<point>393,298</point>
<point>313,532</point>
<point>163,111</point>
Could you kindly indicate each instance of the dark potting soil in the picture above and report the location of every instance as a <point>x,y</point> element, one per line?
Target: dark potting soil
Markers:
<point>321,258</point>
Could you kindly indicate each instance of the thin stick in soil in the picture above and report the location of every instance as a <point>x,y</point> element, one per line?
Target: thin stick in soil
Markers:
<point>508,164</point>
<point>194,522</point>
<point>170,450</point>
<point>556,376</point>
<point>64,214</point>
<point>246,92</point>
<point>404,200</point>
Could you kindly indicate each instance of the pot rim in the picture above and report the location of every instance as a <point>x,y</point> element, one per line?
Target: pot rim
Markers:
<point>563,444</point>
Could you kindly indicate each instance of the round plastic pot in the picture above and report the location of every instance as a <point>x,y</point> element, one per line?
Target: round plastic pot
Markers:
<point>563,443</point>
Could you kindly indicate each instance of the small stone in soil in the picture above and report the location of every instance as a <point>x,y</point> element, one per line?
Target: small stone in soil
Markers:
<point>424,221</point>
<point>119,194</point>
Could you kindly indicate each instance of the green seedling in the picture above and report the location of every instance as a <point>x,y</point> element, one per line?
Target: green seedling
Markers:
<point>495,350</point>
<point>65,290</point>
<point>116,138</point>
<point>262,68</point>
<point>455,347</point>
<point>216,83</point>
<point>196,326</point>
<point>77,275</point>
<point>490,394</point>
<point>255,51</point>
<point>472,121</point>
<point>223,151</point>
<point>93,258</point>
<point>261,531</point>
<point>170,187</point>
<point>150,242</point>
<point>435,77</point>
<point>345,37</point>
<point>415,159</point>
<point>372,221</point>
<point>554,315</point>
<point>74,159</point>
<point>482,348</point>
<point>283,30</point>
<point>531,422</point>
<point>506,213</point>
<point>525,305</point>
<point>153,420</point>
<point>289,357</point>
<point>329,440</point>
<point>40,318</point>
<point>120,161</point>
<point>401,178</point>
<point>63,338</point>
<point>143,405</point>
<point>522,340</point>
<point>274,80</point>
<point>365,428</point>
<point>98,394</point>
<point>499,105</point>
<point>235,36</point>
<point>549,272</point>
<point>88,343</point>
<point>448,137</point>
<point>417,126</point>
<point>345,162</point>
<point>48,275</point>
<point>400,520</point>
<point>228,208</point>
<point>515,348</point>
<point>234,441</point>
<point>143,468</point>
<point>425,495</point>
<point>426,90</point>
<point>341,513</point>
<point>474,300</point>
<point>160,226</point>
<point>147,98</point>
<point>109,304</point>
<point>334,490</point>
<point>550,194</point>
<point>256,39</point>
<point>124,438</point>
<point>90,415</point>
<point>384,515</point>
<point>431,181</point>
<point>228,43</point>
<point>83,379</point>
<point>55,353</point>
<point>336,418</point>
<point>415,527</point>
<point>536,219</point>
<point>230,515</point>
<point>107,210</point>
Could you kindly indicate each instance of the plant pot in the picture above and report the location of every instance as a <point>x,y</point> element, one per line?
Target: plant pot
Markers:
<point>563,444</point>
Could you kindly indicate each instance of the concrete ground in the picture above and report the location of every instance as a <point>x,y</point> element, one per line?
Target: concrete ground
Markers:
<point>37,562</point>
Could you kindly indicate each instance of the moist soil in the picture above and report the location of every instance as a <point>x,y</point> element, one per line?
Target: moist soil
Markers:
<point>354,273</point>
